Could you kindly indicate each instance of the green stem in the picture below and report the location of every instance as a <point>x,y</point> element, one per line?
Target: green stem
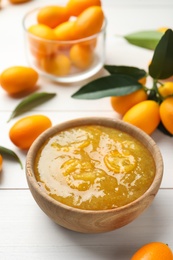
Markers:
<point>145,88</point>
<point>160,83</point>
<point>155,88</point>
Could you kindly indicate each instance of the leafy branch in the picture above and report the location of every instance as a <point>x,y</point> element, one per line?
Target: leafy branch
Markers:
<point>124,80</point>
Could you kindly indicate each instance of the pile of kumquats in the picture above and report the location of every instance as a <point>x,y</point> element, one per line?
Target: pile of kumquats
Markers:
<point>146,114</point>
<point>147,107</point>
<point>59,47</point>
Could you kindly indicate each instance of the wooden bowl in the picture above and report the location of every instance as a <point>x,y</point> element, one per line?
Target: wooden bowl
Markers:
<point>93,221</point>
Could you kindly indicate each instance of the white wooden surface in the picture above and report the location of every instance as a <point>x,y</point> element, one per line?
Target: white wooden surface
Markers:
<point>25,231</point>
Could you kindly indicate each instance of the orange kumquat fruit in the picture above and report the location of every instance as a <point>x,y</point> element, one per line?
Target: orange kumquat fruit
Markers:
<point>64,31</point>
<point>121,104</point>
<point>76,7</point>
<point>166,114</point>
<point>27,129</point>
<point>144,115</point>
<point>166,89</point>
<point>52,16</point>
<point>81,56</point>
<point>88,23</point>
<point>153,251</point>
<point>17,79</point>
<point>1,162</point>
<point>59,65</point>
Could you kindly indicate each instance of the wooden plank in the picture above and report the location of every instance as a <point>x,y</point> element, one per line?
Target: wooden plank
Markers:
<point>27,233</point>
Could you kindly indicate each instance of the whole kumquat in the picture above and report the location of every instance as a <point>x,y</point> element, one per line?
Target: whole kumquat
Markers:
<point>59,65</point>
<point>88,23</point>
<point>121,104</point>
<point>41,40</point>
<point>153,251</point>
<point>18,1</point>
<point>166,114</point>
<point>17,79</point>
<point>76,7</point>
<point>1,162</point>
<point>52,16</point>
<point>42,31</point>
<point>63,32</point>
<point>144,115</point>
<point>166,89</point>
<point>27,129</point>
<point>81,56</point>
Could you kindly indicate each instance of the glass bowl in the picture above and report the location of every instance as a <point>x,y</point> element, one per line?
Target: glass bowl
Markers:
<point>64,61</point>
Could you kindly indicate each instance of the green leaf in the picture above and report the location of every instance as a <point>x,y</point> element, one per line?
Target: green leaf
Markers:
<point>161,66</point>
<point>145,39</point>
<point>7,152</point>
<point>30,102</point>
<point>112,85</point>
<point>127,70</point>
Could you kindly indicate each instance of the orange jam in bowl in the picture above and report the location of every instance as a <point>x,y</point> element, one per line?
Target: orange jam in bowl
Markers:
<point>94,167</point>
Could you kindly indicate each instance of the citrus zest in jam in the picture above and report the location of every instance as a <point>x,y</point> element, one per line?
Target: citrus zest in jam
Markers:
<point>94,167</point>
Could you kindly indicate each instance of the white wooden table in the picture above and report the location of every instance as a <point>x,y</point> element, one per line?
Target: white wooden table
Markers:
<point>25,231</point>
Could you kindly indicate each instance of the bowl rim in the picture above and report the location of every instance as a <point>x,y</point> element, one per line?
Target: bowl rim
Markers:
<point>102,31</point>
<point>94,121</point>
